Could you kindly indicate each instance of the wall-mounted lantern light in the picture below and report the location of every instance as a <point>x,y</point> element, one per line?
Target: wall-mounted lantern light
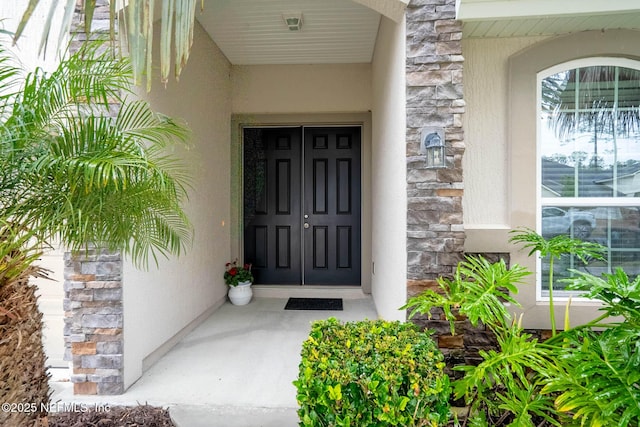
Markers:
<point>293,20</point>
<point>432,146</point>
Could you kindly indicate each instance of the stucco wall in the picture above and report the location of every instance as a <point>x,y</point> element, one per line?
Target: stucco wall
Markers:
<point>389,194</point>
<point>161,302</point>
<point>486,159</point>
<point>500,161</point>
<point>322,88</point>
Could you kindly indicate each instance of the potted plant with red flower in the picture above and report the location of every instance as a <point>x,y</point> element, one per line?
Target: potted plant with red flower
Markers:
<point>239,279</point>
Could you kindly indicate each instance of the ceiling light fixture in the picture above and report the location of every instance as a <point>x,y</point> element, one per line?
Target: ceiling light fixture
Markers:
<point>293,20</point>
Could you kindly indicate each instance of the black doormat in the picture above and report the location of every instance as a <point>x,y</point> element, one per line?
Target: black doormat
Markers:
<point>334,304</point>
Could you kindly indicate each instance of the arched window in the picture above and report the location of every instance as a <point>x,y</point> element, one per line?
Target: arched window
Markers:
<point>588,145</point>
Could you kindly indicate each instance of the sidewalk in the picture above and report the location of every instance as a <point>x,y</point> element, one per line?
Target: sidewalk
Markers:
<point>235,369</point>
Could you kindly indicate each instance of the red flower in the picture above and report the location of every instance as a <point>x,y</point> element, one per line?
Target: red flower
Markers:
<point>233,271</point>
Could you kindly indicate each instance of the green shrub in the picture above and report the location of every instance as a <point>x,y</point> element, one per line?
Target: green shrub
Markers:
<point>371,373</point>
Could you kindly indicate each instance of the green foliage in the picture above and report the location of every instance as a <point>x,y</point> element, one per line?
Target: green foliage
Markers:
<point>620,294</point>
<point>597,374</point>
<point>371,373</point>
<point>580,377</point>
<point>478,290</point>
<point>82,163</point>
<point>553,248</point>
<point>557,246</point>
<point>505,382</point>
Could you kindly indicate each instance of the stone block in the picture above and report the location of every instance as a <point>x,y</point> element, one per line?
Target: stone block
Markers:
<point>102,321</point>
<point>83,348</point>
<point>451,341</point>
<point>108,372</point>
<point>479,338</point>
<point>109,347</point>
<point>101,361</point>
<point>107,294</point>
<point>105,378</point>
<point>78,378</point>
<point>82,277</point>
<point>112,268</point>
<point>70,285</point>
<point>81,295</point>
<point>110,388</point>
<point>75,338</point>
<point>453,47</point>
<point>449,91</point>
<point>108,331</point>
<point>79,370</point>
<point>85,388</point>
<point>89,268</point>
<point>429,78</point>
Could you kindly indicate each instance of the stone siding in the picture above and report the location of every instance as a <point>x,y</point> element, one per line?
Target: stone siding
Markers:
<point>434,65</point>
<point>93,321</point>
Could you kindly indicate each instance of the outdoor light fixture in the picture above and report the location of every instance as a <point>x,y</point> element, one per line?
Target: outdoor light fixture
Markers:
<point>432,145</point>
<point>293,20</point>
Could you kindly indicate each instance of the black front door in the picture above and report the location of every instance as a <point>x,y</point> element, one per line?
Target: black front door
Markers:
<point>302,205</point>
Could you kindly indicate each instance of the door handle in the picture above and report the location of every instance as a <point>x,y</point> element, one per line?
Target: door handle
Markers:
<point>306,225</point>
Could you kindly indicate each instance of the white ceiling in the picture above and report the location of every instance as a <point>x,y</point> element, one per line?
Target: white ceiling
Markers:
<point>512,18</point>
<point>254,32</point>
<point>344,31</point>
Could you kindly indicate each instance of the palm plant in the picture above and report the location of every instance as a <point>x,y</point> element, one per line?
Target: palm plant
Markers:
<point>83,164</point>
<point>177,24</point>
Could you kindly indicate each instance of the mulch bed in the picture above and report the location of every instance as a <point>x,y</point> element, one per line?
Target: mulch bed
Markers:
<point>113,416</point>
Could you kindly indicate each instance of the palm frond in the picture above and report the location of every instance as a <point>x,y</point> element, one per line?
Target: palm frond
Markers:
<point>73,171</point>
<point>556,246</point>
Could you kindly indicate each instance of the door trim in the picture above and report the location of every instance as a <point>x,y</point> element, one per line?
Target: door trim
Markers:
<point>241,121</point>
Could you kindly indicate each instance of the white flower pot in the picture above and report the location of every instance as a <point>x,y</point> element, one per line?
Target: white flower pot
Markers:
<point>241,294</point>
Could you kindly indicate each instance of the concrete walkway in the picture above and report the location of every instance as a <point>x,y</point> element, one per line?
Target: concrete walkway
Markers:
<point>235,369</point>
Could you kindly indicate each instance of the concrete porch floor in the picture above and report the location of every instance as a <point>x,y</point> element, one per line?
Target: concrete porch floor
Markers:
<point>235,369</point>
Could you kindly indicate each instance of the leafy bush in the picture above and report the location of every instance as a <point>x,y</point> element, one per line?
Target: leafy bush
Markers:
<point>597,374</point>
<point>371,373</point>
<point>588,375</point>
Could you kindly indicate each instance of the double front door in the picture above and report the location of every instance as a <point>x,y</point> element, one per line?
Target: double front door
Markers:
<point>302,205</point>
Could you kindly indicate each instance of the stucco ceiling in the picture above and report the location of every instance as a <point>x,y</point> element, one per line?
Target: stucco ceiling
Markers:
<point>254,31</point>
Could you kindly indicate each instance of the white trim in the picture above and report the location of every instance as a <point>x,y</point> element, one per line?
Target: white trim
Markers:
<point>477,10</point>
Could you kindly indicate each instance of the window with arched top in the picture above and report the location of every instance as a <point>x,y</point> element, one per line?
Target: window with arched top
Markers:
<point>588,161</point>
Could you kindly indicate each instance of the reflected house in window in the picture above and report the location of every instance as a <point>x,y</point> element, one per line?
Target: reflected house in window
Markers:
<point>627,183</point>
<point>561,180</point>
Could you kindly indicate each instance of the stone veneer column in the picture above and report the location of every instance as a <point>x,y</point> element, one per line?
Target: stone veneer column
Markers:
<point>434,65</point>
<point>93,321</point>
<point>93,289</point>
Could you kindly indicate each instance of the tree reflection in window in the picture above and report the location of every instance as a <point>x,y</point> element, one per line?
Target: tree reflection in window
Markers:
<point>589,144</point>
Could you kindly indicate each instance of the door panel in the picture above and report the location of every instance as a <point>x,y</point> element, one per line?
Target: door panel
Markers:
<point>331,206</point>
<point>302,205</point>
<point>271,204</point>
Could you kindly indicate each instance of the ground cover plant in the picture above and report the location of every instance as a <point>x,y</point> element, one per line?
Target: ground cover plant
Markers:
<point>585,375</point>
<point>371,373</point>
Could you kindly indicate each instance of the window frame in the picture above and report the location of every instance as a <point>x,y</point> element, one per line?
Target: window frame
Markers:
<point>569,202</point>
